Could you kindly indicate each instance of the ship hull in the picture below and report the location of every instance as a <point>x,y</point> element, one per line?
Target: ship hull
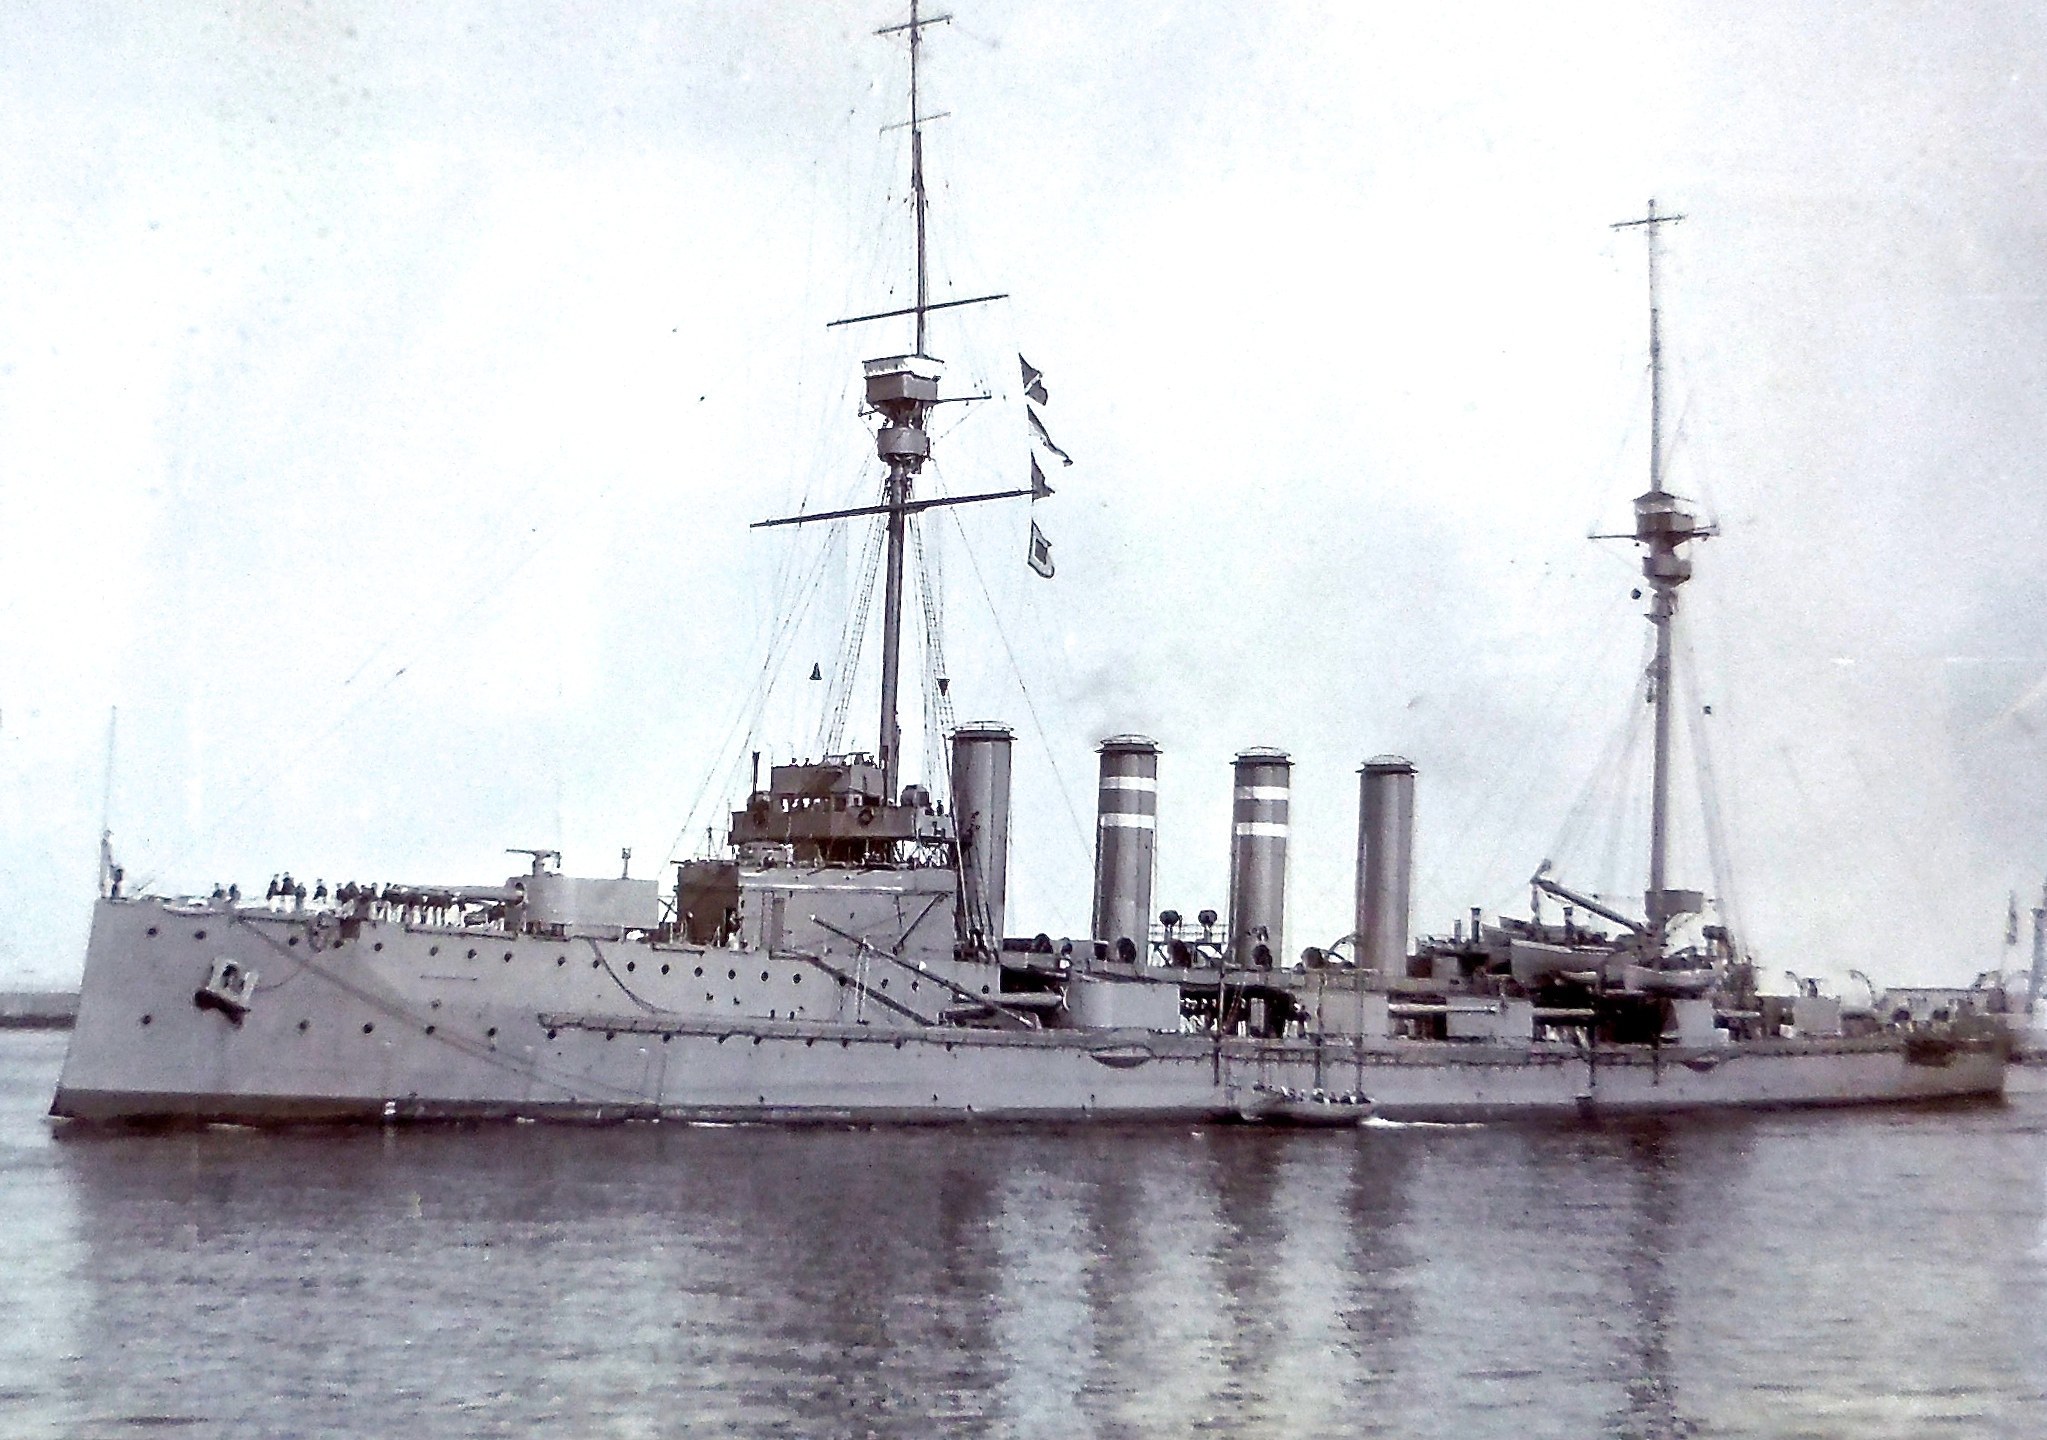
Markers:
<point>396,1022</point>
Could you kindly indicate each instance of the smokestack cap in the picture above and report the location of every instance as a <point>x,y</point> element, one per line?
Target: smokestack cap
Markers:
<point>1264,753</point>
<point>984,730</point>
<point>1387,765</point>
<point>1129,745</point>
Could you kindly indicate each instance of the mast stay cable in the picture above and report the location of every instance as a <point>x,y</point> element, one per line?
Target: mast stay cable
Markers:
<point>1030,703</point>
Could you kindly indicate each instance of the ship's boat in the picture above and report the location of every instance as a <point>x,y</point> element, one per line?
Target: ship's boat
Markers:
<point>847,955</point>
<point>1284,1105</point>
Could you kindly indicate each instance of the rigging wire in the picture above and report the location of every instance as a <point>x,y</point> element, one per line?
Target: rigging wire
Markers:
<point>1719,855</point>
<point>1492,801</point>
<point>938,717</point>
<point>1030,704</point>
<point>746,723</point>
<point>1601,780</point>
<point>1623,835</point>
<point>853,639</point>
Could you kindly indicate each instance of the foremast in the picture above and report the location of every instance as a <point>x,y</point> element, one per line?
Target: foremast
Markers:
<point>903,443</point>
<point>901,389</point>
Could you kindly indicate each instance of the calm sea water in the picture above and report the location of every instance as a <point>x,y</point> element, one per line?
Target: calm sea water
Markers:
<point>1871,1274</point>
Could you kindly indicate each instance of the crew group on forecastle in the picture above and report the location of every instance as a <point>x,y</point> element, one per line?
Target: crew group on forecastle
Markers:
<point>367,902</point>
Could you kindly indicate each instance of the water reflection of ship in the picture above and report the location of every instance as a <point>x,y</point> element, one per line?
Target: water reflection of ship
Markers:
<point>1749,1274</point>
<point>850,954</point>
<point>1652,1230</point>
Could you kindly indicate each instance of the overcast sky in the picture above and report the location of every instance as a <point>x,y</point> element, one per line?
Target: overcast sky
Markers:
<point>385,392</point>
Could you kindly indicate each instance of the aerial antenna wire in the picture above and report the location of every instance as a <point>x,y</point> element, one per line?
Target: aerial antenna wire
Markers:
<point>498,585</point>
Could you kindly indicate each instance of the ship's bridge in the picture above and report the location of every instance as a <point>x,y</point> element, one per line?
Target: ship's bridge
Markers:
<point>837,811</point>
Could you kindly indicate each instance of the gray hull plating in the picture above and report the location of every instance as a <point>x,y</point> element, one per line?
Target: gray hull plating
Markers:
<point>398,1022</point>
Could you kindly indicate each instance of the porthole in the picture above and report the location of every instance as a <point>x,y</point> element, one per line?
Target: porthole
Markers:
<point>368,1026</point>
<point>147,1019</point>
<point>664,969</point>
<point>810,1042</point>
<point>292,940</point>
<point>302,1026</point>
<point>472,954</point>
<point>984,989</point>
<point>631,965</point>
<point>433,949</point>
<point>561,959</point>
<point>756,1039</point>
<point>884,982</point>
<point>608,1035</point>
<point>491,1034</point>
<point>795,979</point>
<point>899,1044</point>
<point>508,957</point>
<point>709,997</point>
<point>595,963</point>
<point>700,972</point>
<point>378,946</point>
<point>429,1029</point>
<point>764,977</point>
<point>550,1034</point>
<point>152,932</point>
<point>198,934</point>
<point>731,974</point>
<point>666,1037</point>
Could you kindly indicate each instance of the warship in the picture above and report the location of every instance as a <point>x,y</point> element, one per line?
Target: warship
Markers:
<point>846,955</point>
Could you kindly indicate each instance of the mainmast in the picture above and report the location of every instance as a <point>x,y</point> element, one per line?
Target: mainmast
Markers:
<point>1664,525</point>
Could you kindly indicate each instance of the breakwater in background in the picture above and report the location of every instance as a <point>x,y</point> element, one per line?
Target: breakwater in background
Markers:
<point>38,1009</point>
